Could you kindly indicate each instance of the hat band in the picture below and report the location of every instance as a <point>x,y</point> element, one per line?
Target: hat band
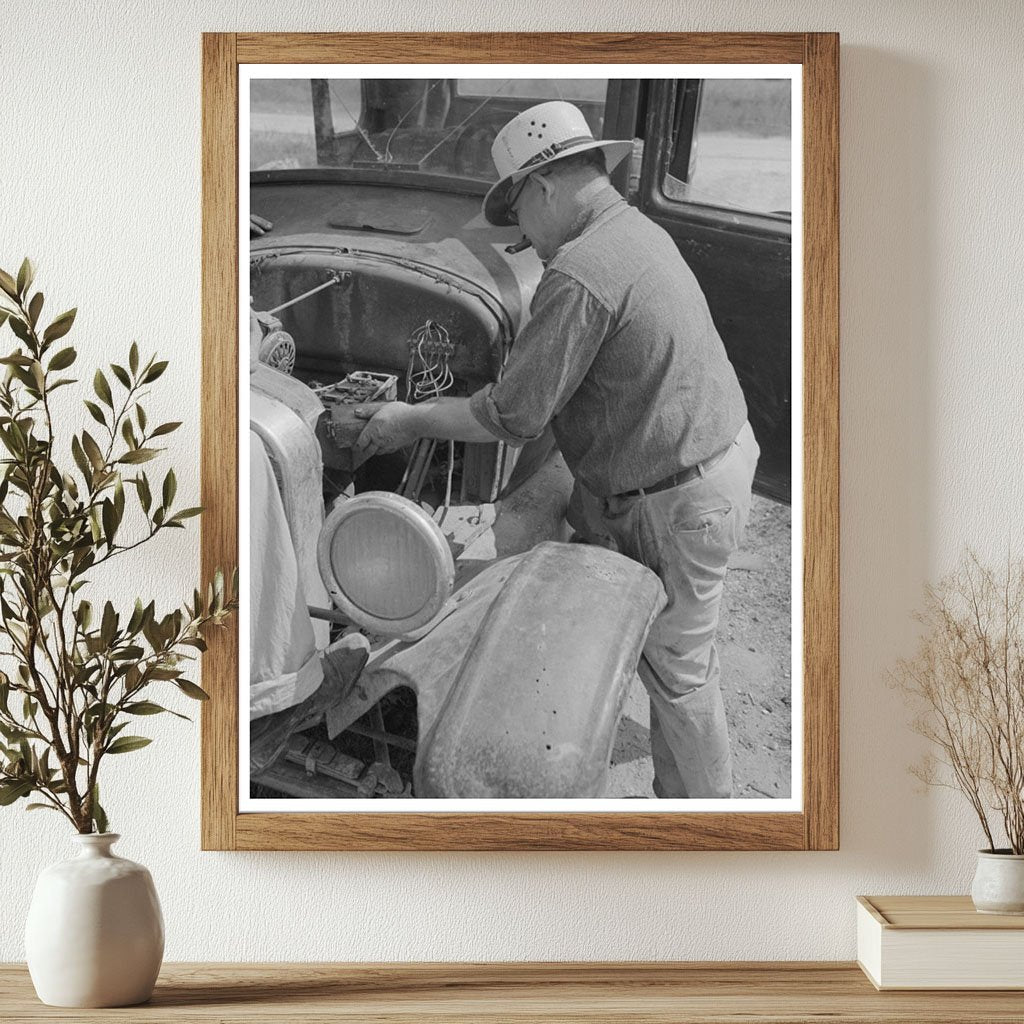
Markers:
<point>555,148</point>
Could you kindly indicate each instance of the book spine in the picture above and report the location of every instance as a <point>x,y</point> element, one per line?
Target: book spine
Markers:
<point>869,945</point>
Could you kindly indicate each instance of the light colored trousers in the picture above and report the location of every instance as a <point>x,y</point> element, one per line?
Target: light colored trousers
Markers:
<point>685,534</point>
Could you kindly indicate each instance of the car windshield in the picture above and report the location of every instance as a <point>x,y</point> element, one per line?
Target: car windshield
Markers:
<point>438,126</point>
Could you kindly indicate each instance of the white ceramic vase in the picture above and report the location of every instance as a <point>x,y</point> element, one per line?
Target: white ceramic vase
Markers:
<point>999,883</point>
<point>95,933</point>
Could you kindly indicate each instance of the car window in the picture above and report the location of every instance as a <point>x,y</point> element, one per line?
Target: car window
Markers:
<point>282,131</point>
<point>732,145</point>
<point>399,126</point>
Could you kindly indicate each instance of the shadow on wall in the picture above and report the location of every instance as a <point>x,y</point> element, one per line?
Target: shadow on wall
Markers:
<point>888,273</point>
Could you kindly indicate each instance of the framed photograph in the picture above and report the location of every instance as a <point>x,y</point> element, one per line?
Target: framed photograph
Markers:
<point>535,338</point>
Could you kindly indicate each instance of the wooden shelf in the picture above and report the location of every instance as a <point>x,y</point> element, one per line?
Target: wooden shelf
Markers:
<point>659,993</point>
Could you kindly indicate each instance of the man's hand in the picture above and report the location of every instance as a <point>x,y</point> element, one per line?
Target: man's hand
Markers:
<point>258,225</point>
<point>396,425</point>
<point>392,426</point>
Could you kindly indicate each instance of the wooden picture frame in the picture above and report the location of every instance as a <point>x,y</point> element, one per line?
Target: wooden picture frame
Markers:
<point>816,826</point>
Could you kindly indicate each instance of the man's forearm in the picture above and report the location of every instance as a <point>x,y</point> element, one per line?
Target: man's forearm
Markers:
<point>449,419</point>
<point>394,425</point>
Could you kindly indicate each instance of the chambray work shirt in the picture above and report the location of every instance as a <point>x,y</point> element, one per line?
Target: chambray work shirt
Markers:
<point>620,356</point>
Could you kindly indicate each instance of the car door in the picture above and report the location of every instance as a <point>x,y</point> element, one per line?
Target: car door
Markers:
<point>712,167</point>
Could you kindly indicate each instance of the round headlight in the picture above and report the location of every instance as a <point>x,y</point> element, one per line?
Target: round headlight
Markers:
<point>385,563</point>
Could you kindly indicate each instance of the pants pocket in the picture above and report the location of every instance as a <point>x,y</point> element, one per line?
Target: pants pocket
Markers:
<point>710,536</point>
<point>707,521</point>
<point>697,518</point>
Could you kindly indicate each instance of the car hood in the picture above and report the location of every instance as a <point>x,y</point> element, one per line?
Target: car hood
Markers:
<point>441,230</point>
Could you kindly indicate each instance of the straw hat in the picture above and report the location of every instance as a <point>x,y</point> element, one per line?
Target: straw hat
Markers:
<point>538,137</point>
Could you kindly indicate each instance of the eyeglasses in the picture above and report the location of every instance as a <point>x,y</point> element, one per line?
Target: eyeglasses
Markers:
<point>513,198</point>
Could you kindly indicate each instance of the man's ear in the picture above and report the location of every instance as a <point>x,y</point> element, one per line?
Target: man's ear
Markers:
<point>546,184</point>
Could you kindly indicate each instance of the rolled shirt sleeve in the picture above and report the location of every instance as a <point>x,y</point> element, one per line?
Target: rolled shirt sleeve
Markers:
<point>549,359</point>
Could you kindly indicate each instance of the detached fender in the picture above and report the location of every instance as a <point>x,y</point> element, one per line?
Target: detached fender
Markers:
<point>533,708</point>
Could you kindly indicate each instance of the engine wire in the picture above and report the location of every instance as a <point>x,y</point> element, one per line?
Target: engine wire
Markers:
<point>428,376</point>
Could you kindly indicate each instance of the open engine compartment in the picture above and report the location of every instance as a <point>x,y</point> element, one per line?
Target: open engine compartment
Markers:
<point>357,312</point>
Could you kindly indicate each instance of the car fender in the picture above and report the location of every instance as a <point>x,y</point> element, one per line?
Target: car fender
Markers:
<point>533,708</point>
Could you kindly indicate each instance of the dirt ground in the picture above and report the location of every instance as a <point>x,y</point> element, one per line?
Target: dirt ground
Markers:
<point>754,639</point>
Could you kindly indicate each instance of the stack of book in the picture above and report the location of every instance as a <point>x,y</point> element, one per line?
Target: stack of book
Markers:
<point>938,942</point>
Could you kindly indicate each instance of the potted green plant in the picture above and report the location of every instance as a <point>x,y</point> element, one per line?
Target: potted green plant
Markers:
<point>967,682</point>
<point>77,672</point>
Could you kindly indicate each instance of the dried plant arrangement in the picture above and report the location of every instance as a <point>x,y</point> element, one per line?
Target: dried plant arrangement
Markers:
<point>80,671</point>
<point>967,682</point>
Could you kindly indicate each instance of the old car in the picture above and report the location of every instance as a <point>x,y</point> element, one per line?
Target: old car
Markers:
<point>445,605</point>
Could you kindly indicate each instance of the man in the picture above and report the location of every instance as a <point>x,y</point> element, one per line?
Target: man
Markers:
<point>621,357</point>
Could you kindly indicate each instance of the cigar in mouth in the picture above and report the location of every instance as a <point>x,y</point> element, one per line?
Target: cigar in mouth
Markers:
<point>523,243</point>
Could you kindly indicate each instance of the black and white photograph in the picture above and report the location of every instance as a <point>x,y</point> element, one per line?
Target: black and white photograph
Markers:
<point>521,521</point>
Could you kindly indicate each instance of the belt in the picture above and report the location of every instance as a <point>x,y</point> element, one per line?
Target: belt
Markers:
<point>679,478</point>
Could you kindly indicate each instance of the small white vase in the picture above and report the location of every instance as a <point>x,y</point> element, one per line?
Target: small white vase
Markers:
<point>95,934</point>
<point>999,882</point>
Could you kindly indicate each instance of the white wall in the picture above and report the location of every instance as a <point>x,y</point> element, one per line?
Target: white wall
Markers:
<point>100,183</point>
